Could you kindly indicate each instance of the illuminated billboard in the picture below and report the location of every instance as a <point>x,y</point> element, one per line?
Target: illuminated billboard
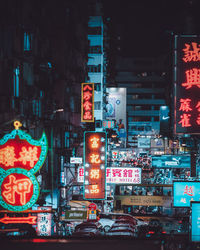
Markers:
<point>87,102</point>
<point>171,161</point>
<point>20,158</point>
<point>184,192</point>
<point>117,175</point>
<point>95,148</point>
<point>187,85</point>
<point>195,221</point>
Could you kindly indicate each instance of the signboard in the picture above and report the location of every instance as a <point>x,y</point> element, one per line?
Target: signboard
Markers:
<point>76,160</point>
<point>75,215</point>
<point>117,175</point>
<point>187,85</point>
<point>144,142</point>
<point>108,124</point>
<point>95,148</point>
<point>163,201</point>
<point>195,221</point>
<point>171,161</point>
<point>123,175</point>
<point>20,158</point>
<point>87,102</point>
<point>184,192</point>
<point>44,221</point>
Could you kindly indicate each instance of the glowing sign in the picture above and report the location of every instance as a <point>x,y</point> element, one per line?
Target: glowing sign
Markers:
<point>187,84</point>
<point>20,158</point>
<point>94,165</point>
<point>87,102</point>
<point>15,220</point>
<point>195,221</point>
<point>115,175</point>
<point>184,192</point>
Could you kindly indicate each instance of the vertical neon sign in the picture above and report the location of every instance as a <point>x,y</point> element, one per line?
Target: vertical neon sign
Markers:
<point>87,102</point>
<point>95,144</point>
<point>187,85</point>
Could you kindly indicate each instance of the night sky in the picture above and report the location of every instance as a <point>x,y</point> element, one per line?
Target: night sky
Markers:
<point>145,26</point>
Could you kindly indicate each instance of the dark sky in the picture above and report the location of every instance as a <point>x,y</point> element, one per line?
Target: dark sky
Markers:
<point>144,26</point>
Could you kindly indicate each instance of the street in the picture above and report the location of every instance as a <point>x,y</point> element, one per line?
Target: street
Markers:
<point>103,244</point>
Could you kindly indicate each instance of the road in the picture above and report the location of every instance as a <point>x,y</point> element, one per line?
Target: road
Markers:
<point>64,244</point>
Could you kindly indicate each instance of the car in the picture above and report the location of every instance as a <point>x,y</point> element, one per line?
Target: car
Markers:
<point>88,229</point>
<point>153,230</point>
<point>122,230</point>
<point>106,223</point>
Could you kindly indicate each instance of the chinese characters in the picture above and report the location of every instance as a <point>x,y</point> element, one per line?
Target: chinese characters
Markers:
<point>87,102</point>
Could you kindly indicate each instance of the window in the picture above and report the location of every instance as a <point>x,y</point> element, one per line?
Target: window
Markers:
<point>97,105</point>
<point>97,86</point>
<point>16,82</point>
<point>27,41</point>
<point>36,107</point>
<point>94,68</point>
<point>94,30</point>
<point>95,50</point>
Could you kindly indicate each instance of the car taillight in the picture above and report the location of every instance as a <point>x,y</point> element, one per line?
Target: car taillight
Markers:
<point>151,232</point>
<point>163,232</point>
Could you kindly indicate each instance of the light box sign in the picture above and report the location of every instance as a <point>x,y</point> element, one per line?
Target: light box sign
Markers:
<point>117,175</point>
<point>171,161</point>
<point>95,148</point>
<point>184,192</point>
<point>20,158</point>
<point>195,221</point>
<point>187,85</point>
<point>87,102</point>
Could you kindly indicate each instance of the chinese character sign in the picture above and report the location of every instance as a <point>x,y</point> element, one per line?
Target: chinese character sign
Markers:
<point>95,144</point>
<point>185,192</point>
<point>187,85</point>
<point>87,102</point>
<point>20,158</point>
<point>117,175</point>
<point>44,222</point>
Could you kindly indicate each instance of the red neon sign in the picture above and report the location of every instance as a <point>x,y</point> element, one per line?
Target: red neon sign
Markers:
<point>94,164</point>
<point>16,189</point>
<point>15,220</point>
<point>19,153</point>
<point>87,102</point>
<point>187,85</point>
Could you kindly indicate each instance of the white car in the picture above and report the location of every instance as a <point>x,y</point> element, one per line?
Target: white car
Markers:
<point>124,230</point>
<point>106,223</point>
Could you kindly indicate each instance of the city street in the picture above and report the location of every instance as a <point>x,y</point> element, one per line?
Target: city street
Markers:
<point>52,244</point>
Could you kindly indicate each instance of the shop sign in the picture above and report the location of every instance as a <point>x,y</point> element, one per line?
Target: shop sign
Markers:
<point>76,160</point>
<point>117,175</point>
<point>171,161</point>
<point>20,158</point>
<point>135,200</point>
<point>95,151</point>
<point>187,84</point>
<point>195,221</point>
<point>76,215</point>
<point>144,143</point>
<point>184,192</point>
<point>87,102</point>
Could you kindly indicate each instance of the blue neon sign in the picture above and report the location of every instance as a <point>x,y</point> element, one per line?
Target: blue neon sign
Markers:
<point>184,192</point>
<point>195,221</point>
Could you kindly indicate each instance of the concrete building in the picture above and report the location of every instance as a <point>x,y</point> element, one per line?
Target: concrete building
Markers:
<point>145,81</point>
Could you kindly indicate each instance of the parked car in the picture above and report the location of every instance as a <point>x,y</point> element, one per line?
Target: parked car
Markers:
<point>153,230</point>
<point>122,230</point>
<point>88,229</point>
<point>106,223</point>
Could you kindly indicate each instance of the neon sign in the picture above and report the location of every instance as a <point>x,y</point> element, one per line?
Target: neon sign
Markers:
<point>20,158</point>
<point>184,192</point>
<point>187,85</point>
<point>94,165</point>
<point>87,102</point>
<point>15,220</point>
